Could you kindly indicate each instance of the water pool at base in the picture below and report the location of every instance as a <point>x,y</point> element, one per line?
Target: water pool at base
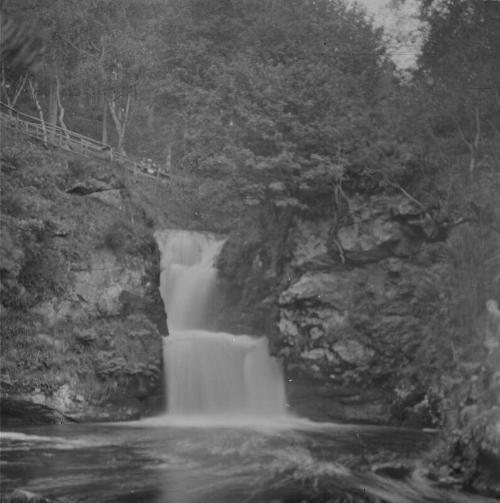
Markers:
<point>160,463</point>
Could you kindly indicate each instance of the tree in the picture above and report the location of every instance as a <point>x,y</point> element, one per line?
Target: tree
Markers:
<point>97,49</point>
<point>461,58</point>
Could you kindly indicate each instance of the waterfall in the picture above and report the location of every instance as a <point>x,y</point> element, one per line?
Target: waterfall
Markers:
<point>188,276</point>
<point>209,373</point>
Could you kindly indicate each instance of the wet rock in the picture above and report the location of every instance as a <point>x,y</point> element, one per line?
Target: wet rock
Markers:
<point>18,412</point>
<point>340,402</point>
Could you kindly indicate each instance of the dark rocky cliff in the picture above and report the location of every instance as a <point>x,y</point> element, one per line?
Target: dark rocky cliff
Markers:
<point>388,314</point>
<point>82,317</point>
<point>345,307</point>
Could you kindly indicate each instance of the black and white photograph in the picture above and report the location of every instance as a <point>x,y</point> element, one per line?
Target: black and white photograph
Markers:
<point>249,251</point>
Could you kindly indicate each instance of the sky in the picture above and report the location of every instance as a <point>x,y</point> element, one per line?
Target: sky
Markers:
<point>397,24</point>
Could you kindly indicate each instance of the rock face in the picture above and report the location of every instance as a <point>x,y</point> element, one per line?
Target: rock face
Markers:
<point>22,413</point>
<point>82,317</point>
<point>345,320</point>
<point>97,286</point>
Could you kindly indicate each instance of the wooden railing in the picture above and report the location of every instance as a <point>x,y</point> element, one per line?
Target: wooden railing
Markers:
<point>69,140</point>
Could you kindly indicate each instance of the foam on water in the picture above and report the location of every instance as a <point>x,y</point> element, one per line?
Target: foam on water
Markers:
<point>61,443</point>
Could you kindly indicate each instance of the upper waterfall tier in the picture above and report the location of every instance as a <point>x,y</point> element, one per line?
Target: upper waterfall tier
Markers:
<point>188,277</point>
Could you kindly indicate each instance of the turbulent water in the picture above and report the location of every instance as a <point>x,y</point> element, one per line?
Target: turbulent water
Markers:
<point>188,277</point>
<point>154,463</point>
<point>217,375</point>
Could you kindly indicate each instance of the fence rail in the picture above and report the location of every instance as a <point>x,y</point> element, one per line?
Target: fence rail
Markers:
<point>69,140</point>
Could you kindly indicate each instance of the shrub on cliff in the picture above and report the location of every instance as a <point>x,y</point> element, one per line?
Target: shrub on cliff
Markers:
<point>116,236</point>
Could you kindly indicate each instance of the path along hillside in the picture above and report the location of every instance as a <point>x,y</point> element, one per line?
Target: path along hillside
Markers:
<point>74,142</point>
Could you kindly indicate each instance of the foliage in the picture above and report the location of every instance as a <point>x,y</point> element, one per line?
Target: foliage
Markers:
<point>451,116</point>
<point>247,91</point>
<point>116,236</point>
<point>44,274</point>
<point>40,246</point>
<point>36,362</point>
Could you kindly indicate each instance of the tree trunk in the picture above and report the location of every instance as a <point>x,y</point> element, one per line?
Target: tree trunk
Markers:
<point>473,143</point>
<point>104,122</point>
<point>18,88</point>
<point>120,118</point>
<point>150,117</point>
<point>284,222</point>
<point>61,108</point>
<point>34,95</point>
<point>103,104</point>
<point>52,119</point>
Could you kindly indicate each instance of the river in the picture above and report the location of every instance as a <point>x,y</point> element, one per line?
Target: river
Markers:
<point>158,461</point>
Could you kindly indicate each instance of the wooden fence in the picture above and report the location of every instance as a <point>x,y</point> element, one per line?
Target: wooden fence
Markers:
<point>71,141</point>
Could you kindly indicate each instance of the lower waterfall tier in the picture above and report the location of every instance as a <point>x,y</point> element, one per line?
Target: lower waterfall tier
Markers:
<point>218,373</point>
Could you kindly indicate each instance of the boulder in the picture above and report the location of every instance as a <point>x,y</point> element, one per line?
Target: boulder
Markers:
<point>319,288</point>
<point>19,412</point>
<point>90,186</point>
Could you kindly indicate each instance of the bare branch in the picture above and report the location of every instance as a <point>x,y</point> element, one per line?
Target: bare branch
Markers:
<point>34,95</point>
<point>462,135</point>
<point>472,144</point>
<point>19,89</point>
<point>490,123</point>
<point>74,46</point>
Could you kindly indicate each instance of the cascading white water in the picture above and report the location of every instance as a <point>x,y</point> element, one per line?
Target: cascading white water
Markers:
<point>188,276</point>
<point>210,373</point>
